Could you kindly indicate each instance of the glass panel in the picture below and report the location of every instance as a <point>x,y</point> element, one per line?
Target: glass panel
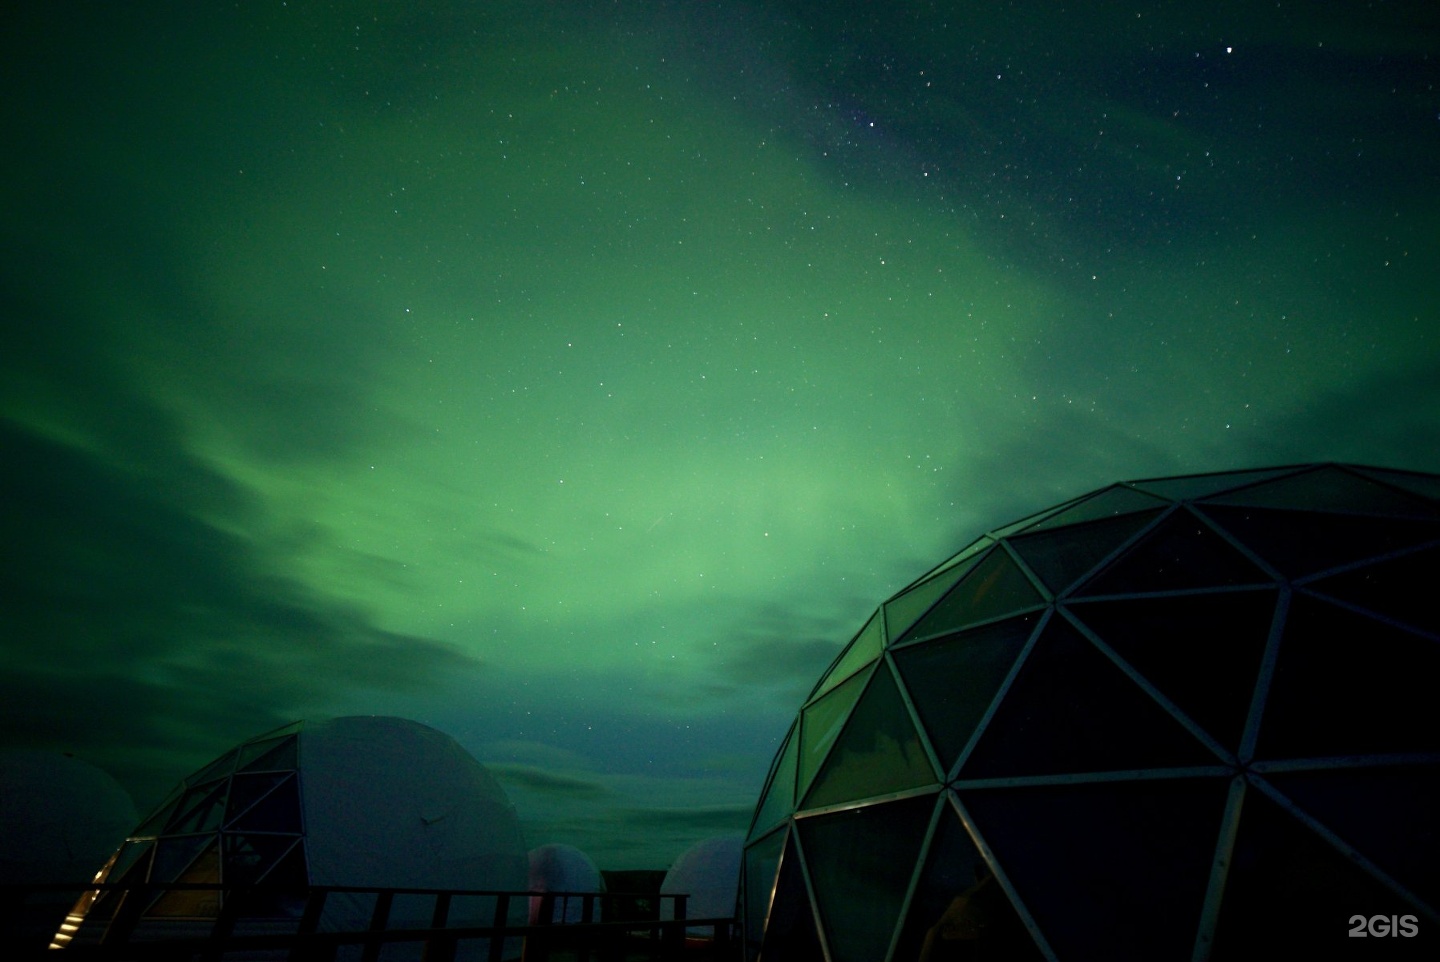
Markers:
<point>1331,488</point>
<point>1116,500</point>
<point>1425,485</point>
<point>1060,557</point>
<point>779,799</point>
<point>905,610</point>
<point>959,910</point>
<point>194,903</point>
<point>155,824</point>
<point>199,811</point>
<point>993,588</point>
<point>174,855</point>
<point>1201,485</point>
<point>1071,709</point>
<point>952,680</point>
<point>1387,814</point>
<point>219,768</point>
<point>1108,870</point>
<point>1289,894</point>
<point>762,862</point>
<point>254,749</point>
<point>249,857</point>
<point>860,863</point>
<point>273,755</point>
<point>1300,543</point>
<point>130,854</point>
<point>877,753</point>
<point>790,931</point>
<point>1031,520</point>
<point>246,789</point>
<point>277,812</point>
<point>821,723</point>
<point>1400,588</point>
<point>862,650</point>
<point>1202,652</point>
<point>1345,684</point>
<point>966,553</point>
<point>132,865</point>
<point>1180,552</point>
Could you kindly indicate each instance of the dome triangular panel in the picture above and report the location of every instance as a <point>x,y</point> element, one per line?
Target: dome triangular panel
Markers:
<point>762,865</point>
<point>860,863</point>
<point>1076,852</point>
<point>779,799</point>
<point>1331,488</point>
<point>1339,799</point>
<point>1181,552</point>
<point>862,650</point>
<point>878,752</point>
<point>993,588</point>
<point>952,680</point>
<point>279,811</point>
<point>155,823</point>
<point>201,810</point>
<point>247,789</point>
<point>1203,652</point>
<point>191,903</point>
<point>1282,877</point>
<point>958,899</point>
<point>1060,557</point>
<point>820,725</point>
<point>274,755</point>
<point>1192,486</point>
<point>220,768</point>
<point>1400,588</point>
<point>1424,485</point>
<point>1070,709</point>
<point>791,932</point>
<point>1112,502</point>
<point>249,857</point>
<point>1345,684</point>
<point>1301,543</point>
<point>902,611</point>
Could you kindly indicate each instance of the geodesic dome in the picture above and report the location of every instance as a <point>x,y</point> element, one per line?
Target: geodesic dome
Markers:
<point>1183,718</point>
<point>364,801</point>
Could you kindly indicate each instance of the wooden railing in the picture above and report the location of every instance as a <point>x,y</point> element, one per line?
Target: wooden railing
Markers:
<point>630,927</point>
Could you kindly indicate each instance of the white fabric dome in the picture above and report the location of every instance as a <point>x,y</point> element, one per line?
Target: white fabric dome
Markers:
<point>563,868</point>
<point>709,872</point>
<point>391,802</point>
<point>60,817</point>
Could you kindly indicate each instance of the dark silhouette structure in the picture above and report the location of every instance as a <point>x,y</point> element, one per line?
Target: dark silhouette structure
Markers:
<point>1179,718</point>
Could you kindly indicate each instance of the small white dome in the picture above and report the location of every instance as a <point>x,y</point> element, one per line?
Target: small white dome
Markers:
<point>60,817</point>
<point>709,872</point>
<point>563,868</point>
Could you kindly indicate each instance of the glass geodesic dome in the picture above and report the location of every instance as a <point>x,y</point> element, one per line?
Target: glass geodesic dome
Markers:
<point>367,801</point>
<point>1170,719</point>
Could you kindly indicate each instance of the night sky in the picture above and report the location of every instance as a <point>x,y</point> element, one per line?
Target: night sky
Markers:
<point>576,377</point>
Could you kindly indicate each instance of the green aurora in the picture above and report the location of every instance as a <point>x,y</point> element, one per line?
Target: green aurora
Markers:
<point>577,382</point>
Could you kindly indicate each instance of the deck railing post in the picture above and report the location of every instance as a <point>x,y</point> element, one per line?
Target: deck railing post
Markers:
<point>378,920</point>
<point>439,947</point>
<point>134,901</point>
<point>502,919</point>
<point>224,927</point>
